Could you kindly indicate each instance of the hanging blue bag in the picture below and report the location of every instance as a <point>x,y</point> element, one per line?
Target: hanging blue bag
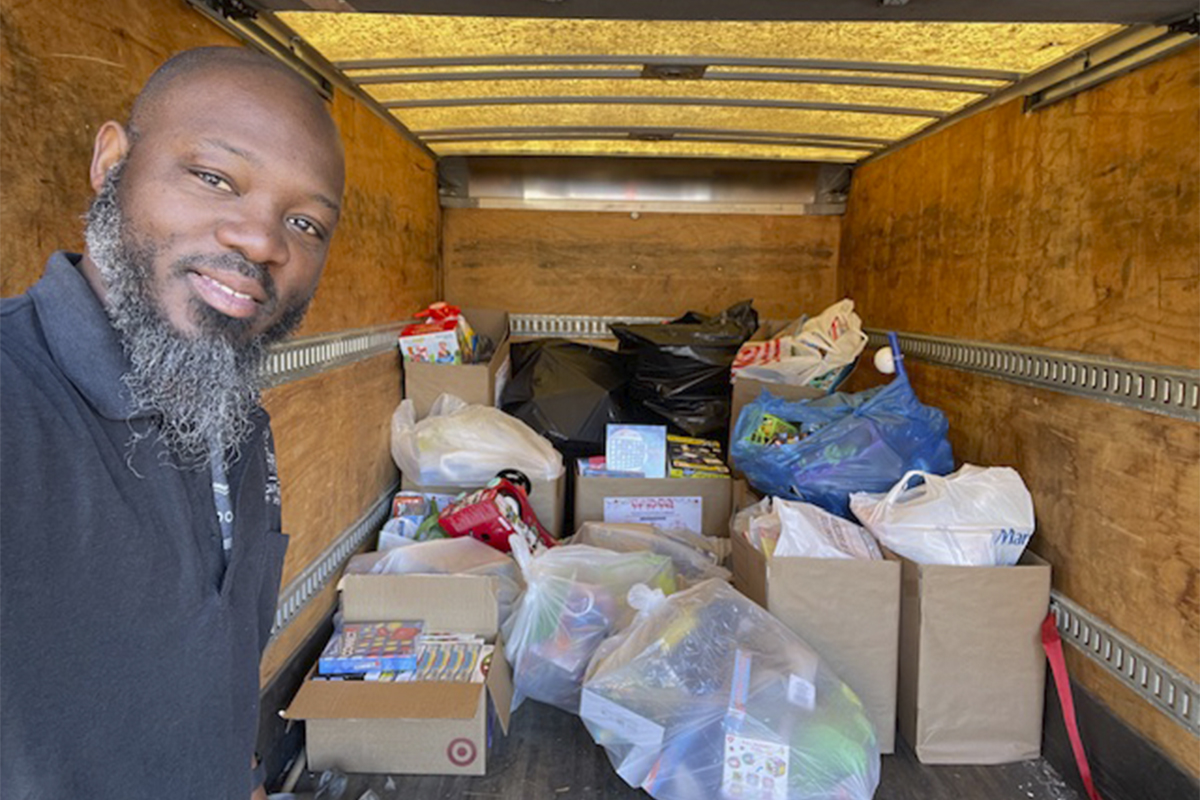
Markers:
<point>819,451</point>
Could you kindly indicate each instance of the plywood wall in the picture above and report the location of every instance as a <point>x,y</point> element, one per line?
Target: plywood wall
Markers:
<point>68,66</point>
<point>614,263</point>
<point>1076,227</point>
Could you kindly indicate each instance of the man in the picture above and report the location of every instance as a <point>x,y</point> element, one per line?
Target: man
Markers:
<point>140,551</point>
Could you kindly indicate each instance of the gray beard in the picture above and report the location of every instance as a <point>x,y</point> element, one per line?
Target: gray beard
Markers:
<point>202,388</point>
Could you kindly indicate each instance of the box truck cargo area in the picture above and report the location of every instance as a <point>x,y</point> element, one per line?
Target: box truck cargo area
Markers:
<point>1012,188</point>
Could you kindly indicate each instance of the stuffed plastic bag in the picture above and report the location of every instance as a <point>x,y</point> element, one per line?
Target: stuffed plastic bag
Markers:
<point>708,695</point>
<point>819,451</point>
<point>817,355</point>
<point>462,556</point>
<point>694,558</point>
<point>466,445</point>
<point>759,525</point>
<point>574,600</point>
<point>681,369</point>
<point>812,532</point>
<point>977,516</point>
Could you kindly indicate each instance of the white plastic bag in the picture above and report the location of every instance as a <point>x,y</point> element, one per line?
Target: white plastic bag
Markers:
<point>812,532</point>
<point>759,525</point>
<point>466,445</point>
<point>575,598</point>
<point>977,516</point>
<point>462,555</point>
<point>824,345</point>
<point>694,558</point>
<point>706,695</point>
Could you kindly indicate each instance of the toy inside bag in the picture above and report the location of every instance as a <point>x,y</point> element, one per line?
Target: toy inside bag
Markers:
<point>575,598</point>
<point>493,515</point>
<point>708,695</point>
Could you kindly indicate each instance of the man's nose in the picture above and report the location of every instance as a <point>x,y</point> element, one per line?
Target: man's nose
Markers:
<point>257,234</point>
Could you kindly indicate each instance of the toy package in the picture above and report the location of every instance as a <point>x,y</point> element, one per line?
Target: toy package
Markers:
<point>493,515</point>
<point>359,647</point>
<point>708,695</point>
<point>575,598</point>
<point>443,336</point>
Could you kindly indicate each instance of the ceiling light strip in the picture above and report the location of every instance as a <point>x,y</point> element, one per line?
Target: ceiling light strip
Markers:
<point>642,137</point>
<point>734,102</point>
<point>857,141</point>
<point>694,61</point>
<point>637,74</point>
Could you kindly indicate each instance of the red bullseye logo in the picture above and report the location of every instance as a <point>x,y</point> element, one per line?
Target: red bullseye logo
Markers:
<point>461,752</point>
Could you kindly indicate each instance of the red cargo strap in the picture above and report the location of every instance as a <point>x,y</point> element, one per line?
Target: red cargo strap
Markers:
<point>1058,665</point>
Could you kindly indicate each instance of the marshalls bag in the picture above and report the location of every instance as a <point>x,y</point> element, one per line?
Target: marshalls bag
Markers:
<point>977,516</point>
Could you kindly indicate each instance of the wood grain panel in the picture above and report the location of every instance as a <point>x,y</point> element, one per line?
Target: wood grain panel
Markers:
<point>66,68</point>
<point>1073,227</point>
<point>332,435</point>
<point>610,263</point>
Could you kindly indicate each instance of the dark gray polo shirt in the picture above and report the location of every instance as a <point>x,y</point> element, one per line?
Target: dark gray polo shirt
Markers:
<point>128,651</point>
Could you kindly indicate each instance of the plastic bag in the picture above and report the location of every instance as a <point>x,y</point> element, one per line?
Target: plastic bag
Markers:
<point>977,516</point>
<point>819,451</point>
<point>694,558</point>
<point>568,391</point>
<point>574,600</point>
<point>812,532</point>
<point>681,369</point>
<point>466,445</point>
<point>759,525</point>
<point>461,556</point>
<point>708,695</point>
<point>818,355</point>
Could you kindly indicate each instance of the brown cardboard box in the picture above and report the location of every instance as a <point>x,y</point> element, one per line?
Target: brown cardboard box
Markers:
<point>748,389</point>
<point>972,670</point>
<point>714,493</point>
<point>848,610</point>
<point>546,498</point>
<point>480,384</point>
<point>420,728</point>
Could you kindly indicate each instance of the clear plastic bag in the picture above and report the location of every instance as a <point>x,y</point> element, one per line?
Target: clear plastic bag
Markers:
<point>694,558</point>
<point>575,599</point>
<point>466,445</point>
<point>459,556</point>
<point>977,516</point>
<point>819,451</point>
<point>708,695</point>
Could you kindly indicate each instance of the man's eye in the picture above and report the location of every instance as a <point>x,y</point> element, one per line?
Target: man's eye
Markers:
<point>213,180</point>
<point>307,227</point>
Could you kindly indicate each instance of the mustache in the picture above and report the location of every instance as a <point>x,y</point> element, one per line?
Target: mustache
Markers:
<point>235,263</point>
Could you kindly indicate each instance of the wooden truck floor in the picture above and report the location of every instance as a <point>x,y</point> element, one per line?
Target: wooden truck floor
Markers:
<point>548,755</point>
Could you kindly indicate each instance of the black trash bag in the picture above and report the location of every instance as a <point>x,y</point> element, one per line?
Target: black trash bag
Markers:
<point>568,392</point>
<point>681,369</point>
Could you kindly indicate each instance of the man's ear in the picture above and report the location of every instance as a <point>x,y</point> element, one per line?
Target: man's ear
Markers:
<point>112,143</point>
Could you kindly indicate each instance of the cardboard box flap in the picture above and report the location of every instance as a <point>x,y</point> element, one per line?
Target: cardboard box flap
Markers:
<point>499,684</point>
<point>460,603</point>
<point>373,700</point>
<point>491,322</point>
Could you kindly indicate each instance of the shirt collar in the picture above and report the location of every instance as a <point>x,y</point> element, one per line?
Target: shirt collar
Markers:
<point>81,338</point>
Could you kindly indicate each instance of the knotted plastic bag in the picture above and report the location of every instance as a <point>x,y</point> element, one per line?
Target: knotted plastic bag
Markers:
<point>819,451</point>
<point>708,695</point>
<point>977,516</point>
<point>574,600</point>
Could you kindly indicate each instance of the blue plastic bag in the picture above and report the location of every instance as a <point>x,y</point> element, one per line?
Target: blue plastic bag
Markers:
<point>842,443</point>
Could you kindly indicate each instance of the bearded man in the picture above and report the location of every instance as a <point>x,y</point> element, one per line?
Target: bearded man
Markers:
<point>140,543</point>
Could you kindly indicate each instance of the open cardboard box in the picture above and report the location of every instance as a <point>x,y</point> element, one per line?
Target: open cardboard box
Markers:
<point>848,610</point>
<point>479,384</point>
<point>546,498</point>
<point>421,728</point>
<point>714,494</point>
<point>972,668</point>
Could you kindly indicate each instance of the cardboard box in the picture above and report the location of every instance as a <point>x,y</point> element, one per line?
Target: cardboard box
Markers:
<point>714,496</point>
<point>547,498</point>
<point>480,384</point>
<point>747,389</point>
<point>848,610</point>
<point>420,728</point>
<point>972,669</point>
